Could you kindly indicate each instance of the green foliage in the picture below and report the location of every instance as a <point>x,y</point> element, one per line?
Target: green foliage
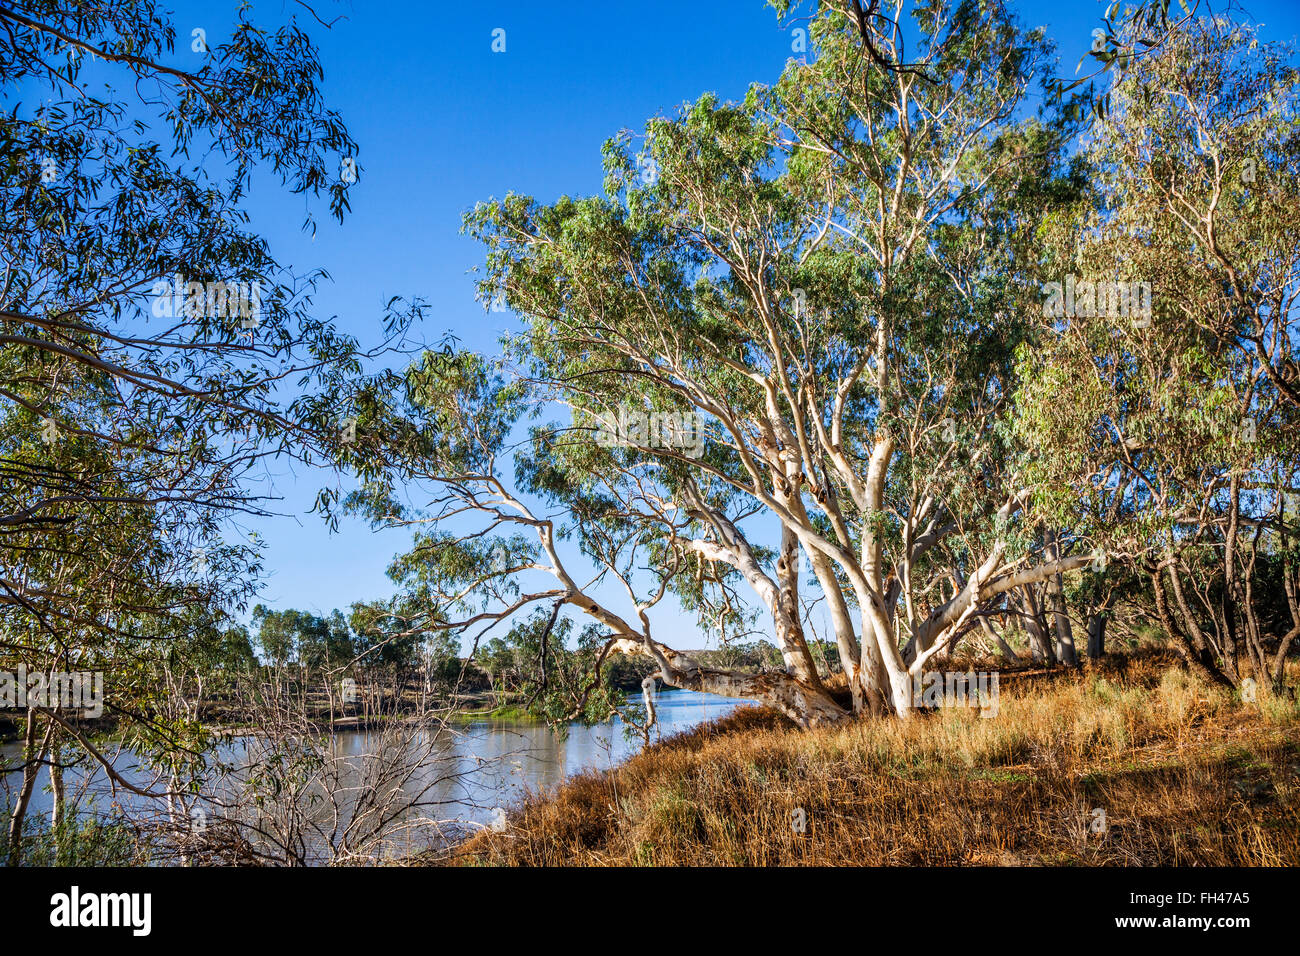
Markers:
<point>85,840</point>
<point>136,413</point>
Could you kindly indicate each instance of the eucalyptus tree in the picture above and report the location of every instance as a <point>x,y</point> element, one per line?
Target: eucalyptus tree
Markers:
<point>138,310</point>
<point>786,329</point>
<point>307,639</point>
<point>1172,430</point>
<point>98,587</point>
<point>154,355</point>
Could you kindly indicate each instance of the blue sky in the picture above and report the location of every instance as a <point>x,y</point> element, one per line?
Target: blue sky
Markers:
<point>443,122</point>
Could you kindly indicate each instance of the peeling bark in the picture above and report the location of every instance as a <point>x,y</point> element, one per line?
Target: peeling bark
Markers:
<point>1056,598</point>
<point>1039,641</point>
<point>1097,636</point>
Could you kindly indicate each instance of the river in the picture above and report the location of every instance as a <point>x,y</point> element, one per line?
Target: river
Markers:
<point>471,771</point>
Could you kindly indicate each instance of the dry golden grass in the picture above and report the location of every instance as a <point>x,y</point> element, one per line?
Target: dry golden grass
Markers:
<point>1185,774</point>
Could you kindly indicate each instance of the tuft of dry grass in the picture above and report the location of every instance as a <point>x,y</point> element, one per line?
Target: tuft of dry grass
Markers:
<point>1134,762</point>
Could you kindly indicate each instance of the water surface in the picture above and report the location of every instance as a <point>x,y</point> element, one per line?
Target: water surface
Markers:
<point>470,771</point>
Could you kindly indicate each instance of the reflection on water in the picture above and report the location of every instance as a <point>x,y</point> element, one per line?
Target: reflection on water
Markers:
<point>471,771</point>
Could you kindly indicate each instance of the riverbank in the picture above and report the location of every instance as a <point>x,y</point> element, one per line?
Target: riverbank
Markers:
<point>1133,762</point>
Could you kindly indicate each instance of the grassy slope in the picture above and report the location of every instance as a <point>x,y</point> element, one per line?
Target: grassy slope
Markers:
<point>1185,773</point>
